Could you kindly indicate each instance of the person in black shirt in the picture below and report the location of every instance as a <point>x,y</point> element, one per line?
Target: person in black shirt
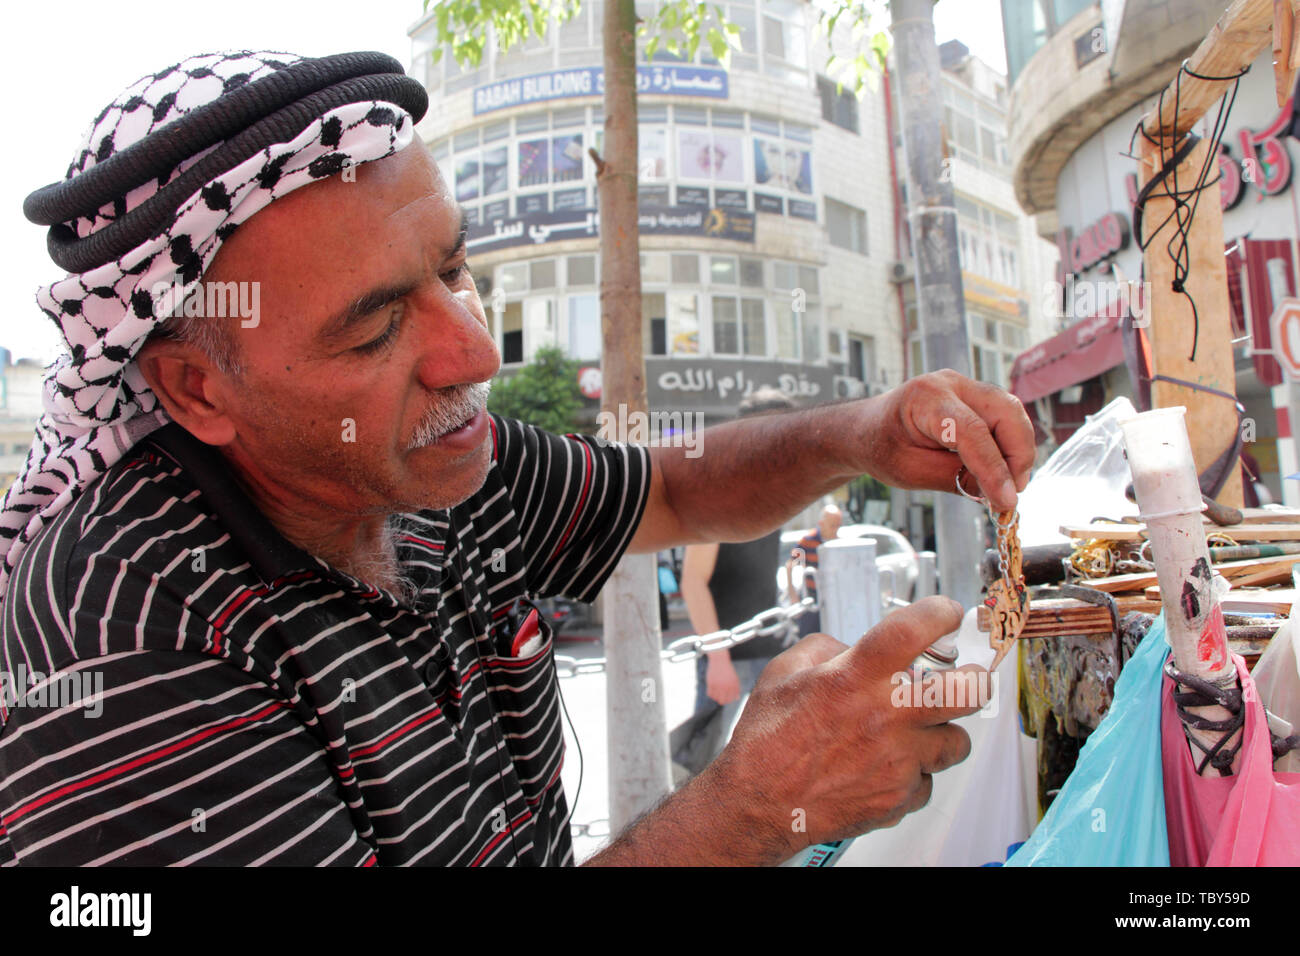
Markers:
<point>726,584</point>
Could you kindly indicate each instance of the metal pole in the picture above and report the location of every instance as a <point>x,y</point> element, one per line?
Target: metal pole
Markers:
<point>939,295</point>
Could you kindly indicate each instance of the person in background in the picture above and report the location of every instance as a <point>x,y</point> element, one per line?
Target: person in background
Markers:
<point>724,585</point>
<point>828,526</point>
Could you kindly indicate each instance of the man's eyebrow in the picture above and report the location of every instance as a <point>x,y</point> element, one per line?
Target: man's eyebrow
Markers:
<point>375,299</point>
<point>365,305</point>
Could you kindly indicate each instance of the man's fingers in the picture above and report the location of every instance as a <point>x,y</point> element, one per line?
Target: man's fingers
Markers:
<point>895,642</point>
<point>942,747</point>
<point>812,650</point>
<point>983,457</point>
<point>1009,424</point>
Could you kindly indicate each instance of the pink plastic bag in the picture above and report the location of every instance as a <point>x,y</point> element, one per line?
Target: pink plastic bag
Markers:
<point>1249,819</point>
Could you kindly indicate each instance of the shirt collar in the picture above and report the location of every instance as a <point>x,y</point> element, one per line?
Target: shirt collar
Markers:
<point>271,554</point>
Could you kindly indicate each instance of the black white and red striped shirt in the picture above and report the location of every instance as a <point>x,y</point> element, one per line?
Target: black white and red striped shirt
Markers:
<point>261,707</point>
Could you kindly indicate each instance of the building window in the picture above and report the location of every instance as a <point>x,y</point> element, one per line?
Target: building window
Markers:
<point>722,270</point>
<point>785,47</point>
<point>754,327</point>
<point>726,326</point>
<point>810,321</point>
<point>584,326</point>
<point>683,324</point>
<point>582,270</point>
<point>686,269</point>
<point>739,326</point>
<point>654,322</point>
<point>838,106</point>
<point>787,333</point>
<point>862,358</point>
<point>512,333</point>
<point>539,326</point>
<point>847,226</point>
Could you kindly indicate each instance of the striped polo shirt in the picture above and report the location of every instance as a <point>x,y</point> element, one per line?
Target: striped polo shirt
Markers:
<point>243,702</point>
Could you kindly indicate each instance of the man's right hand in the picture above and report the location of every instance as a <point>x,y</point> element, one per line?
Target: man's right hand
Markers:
<point>823,750</point>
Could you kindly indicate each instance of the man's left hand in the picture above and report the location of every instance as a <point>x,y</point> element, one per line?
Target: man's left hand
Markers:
<point>921,433</point>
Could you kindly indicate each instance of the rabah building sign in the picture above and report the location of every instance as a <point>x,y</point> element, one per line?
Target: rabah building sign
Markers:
<point>590,81</point>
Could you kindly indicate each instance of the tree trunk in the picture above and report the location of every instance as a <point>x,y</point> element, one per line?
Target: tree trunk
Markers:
<point>941,308</point>
<point>639,772</point>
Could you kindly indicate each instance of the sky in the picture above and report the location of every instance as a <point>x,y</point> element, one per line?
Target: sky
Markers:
<point>78,54</point>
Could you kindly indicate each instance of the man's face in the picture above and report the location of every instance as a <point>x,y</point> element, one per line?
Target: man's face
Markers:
<point>369,324</point>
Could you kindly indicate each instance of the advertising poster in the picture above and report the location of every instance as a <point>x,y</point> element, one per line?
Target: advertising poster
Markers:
<point>566,158</point>
<point>534,169</point>
<point>702,154</point>
<point>469,178</point>
<point>495,174</point>
<point>652,153</point>
<point>781,165</point>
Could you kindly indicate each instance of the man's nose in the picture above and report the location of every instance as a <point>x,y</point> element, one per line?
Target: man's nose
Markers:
<point>457,347</point>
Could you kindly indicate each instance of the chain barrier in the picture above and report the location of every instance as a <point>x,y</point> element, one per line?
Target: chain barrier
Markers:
<point>774,620</point>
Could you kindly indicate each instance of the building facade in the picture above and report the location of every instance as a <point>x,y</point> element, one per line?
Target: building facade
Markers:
<point>773,224</point>
<point>766,214</point>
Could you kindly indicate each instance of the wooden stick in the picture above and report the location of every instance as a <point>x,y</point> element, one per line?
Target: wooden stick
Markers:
<point>1242,33</point>
<point>1283,39</point>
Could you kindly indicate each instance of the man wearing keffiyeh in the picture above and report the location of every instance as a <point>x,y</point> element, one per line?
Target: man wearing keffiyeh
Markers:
<point>300,552</point>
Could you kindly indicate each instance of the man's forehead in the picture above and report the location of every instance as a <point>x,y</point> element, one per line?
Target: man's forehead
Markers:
<point>349,218</point>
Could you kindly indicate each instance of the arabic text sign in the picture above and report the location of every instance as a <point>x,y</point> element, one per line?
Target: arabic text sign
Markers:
<point>538,226</point>
<point>722,383</point>
<point>590,81</point>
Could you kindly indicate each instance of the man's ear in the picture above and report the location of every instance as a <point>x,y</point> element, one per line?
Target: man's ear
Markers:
<point>189,387</point>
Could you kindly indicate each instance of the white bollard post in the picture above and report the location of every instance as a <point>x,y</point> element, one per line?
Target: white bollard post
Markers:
<point>848,588</point>
<point>925,578</point>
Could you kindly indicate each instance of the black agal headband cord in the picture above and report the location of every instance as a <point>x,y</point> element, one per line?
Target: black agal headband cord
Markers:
<point>273,109</point>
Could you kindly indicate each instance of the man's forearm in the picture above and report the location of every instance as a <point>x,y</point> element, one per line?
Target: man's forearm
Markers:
<point>764,470</point>
<point>703,824</point>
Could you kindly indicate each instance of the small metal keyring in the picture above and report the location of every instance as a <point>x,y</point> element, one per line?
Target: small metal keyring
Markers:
<point>962,491</point>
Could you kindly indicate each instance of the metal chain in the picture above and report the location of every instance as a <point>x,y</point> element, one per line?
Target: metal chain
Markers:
<point>1005,532</point>
<point>765,624</point>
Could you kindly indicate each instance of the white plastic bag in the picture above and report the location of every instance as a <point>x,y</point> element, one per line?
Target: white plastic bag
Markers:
<point>1277,678</point>
<point>985,805</point>
<point>1085,478</point>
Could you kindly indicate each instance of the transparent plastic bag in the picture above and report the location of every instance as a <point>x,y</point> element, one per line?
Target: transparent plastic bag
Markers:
<point>1083,479</point>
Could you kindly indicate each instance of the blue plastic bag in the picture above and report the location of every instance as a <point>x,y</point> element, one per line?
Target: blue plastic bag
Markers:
<point>1111,811</point>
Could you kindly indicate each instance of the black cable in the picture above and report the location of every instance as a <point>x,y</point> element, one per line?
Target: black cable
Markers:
<point>1185,201</point>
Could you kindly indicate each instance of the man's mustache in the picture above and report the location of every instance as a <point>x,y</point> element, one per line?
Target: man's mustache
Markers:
<point>457,405</point>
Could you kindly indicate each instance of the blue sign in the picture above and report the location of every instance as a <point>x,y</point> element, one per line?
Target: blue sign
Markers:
<point>590,81</point>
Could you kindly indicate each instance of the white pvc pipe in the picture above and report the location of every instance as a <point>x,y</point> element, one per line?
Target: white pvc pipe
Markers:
<point>1169,498</point>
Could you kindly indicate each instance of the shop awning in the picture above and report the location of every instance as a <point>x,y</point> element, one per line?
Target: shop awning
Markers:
<point>1086,349</point>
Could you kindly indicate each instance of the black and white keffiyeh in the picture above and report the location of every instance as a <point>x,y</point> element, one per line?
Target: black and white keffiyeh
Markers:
<point>165,174</point>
